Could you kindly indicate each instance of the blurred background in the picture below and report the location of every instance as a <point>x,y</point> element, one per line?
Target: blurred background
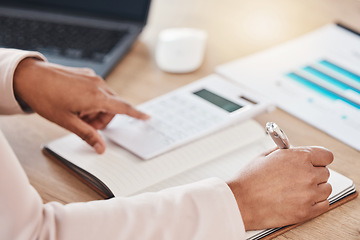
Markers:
<point>236,28</point>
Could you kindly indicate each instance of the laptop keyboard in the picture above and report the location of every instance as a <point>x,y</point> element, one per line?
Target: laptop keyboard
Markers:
<point>79,42</point>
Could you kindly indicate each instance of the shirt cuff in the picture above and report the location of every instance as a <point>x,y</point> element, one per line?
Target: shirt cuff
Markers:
<point>9,60</point>
<point>227,203</point>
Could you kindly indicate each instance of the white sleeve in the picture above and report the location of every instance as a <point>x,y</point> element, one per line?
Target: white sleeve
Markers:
<point>9,60</point>
<point>202,210</point>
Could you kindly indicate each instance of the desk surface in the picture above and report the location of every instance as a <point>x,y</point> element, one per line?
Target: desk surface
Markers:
<point>236,28</point>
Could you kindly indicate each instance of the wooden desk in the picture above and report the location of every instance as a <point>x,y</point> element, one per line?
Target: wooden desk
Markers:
<point>236,28</point>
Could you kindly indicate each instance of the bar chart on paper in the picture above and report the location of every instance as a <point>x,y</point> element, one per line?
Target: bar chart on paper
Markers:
<point>331,81</point>
<point>325,94</point>
<point>315,77</point>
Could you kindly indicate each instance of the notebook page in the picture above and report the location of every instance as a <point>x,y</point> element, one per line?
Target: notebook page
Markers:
<point>339,184</point>
<point>125,174</point>
<point>225,167</point>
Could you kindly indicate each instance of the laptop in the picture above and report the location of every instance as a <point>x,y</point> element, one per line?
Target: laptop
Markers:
<point>78,33</point>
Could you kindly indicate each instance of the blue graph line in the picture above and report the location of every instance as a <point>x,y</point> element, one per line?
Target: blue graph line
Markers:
<point>317,88</point>
<point>330,79</point>
<point>340,70</point>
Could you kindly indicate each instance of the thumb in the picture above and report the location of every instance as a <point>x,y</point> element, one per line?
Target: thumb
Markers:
<point>86,133</point>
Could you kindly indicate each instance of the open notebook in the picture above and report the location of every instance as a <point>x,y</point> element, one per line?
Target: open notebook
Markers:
<point>117,172</point>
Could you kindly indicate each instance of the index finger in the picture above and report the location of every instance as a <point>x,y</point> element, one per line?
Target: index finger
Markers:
<point>117,106</point>
<point>321,156</point>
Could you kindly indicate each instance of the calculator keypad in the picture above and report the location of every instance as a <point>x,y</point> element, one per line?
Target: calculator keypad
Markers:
<point>177,118</point>
<point>182,116</point>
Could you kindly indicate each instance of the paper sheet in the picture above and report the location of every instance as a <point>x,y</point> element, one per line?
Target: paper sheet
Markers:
<point>315,77</point>
<point>225,167</point>
<point>125,174</point>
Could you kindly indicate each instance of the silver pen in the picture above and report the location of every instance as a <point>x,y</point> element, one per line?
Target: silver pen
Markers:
<point>277,135</point>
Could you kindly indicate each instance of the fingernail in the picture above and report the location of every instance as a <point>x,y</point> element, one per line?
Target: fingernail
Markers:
<point>98,148</point>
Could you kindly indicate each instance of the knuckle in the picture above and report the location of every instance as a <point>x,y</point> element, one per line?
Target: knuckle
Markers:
<point>87,136</point>
<point>96,93</point>
<point>313,177</point>
<point>89,71</point>
<point>96,79</point>
<point>308,200</point>
<point>306,154</point>
<point>325,205</point>
<point>303,213</point>
<point>329,189</point>
<point>327,173</point>
<point>312,180</point>
<point>104,121</point>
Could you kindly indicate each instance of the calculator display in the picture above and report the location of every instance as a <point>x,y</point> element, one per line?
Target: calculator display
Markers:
<point>217,100</point>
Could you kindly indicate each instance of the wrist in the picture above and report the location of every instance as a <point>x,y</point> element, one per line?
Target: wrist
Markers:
<point>22,77</point>
<point>240,195</point>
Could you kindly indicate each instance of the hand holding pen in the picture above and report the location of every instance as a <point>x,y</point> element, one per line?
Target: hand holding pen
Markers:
<point>283,187</point>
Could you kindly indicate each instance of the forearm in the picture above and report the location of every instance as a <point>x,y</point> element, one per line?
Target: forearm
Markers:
<point>202,210</point>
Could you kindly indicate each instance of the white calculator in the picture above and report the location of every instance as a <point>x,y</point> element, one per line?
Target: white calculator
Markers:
<point>184,115</point>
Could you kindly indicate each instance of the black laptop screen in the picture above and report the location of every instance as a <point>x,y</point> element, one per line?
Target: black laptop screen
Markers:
<point>134,10</point>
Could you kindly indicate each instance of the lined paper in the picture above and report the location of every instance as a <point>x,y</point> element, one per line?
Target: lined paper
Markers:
<point>225,167</point>
<point>125,174</point>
